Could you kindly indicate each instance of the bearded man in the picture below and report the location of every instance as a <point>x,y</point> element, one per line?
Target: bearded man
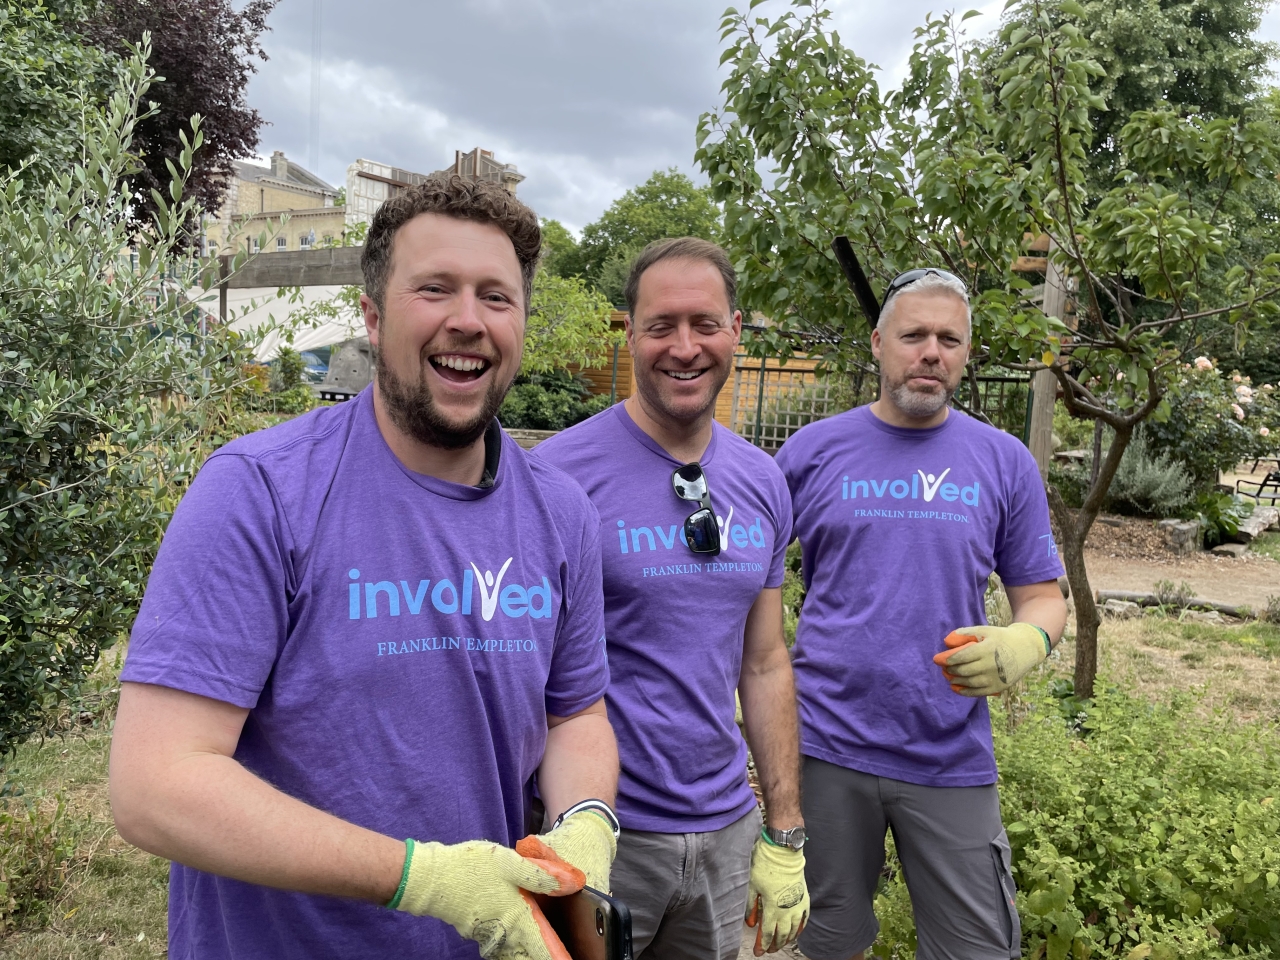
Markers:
<point>903,509</point>
<point>379,620</point>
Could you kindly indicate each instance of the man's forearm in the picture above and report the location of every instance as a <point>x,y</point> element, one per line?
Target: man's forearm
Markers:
<point>769,714</point>
<point>1044,609</point>
<point>580,762</point>
<point>201,808</point>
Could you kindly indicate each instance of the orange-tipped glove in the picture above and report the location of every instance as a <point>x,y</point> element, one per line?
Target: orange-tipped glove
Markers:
<point>584,840</point>
<point>777,897</point>
<point>485,892</point>
<point>984,661</point>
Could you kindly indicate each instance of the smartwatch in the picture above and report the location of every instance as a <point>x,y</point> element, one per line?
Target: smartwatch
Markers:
<point>595,806</point>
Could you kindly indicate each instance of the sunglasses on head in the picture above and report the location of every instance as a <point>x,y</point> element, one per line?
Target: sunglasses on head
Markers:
<point>911,276</point>
<point>701,532</point>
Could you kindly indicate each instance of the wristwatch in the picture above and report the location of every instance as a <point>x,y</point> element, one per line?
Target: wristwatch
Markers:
<point>793,838</point>
<point>597,807</point>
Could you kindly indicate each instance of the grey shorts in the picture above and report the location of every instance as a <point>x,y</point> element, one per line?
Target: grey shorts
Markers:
<point>954,854</point>
<point>687,892</point>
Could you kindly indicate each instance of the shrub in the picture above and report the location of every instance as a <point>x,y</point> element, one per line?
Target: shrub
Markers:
<point>1215,421</point>
<point>109,379</point>
<point>1149,484</point>
<point>1149,833</point>
<point>1220,514</point>
<point>549,401</point>
<point>37,848</point>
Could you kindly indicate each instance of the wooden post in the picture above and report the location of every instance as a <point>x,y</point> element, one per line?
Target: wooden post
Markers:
<point>613,382</point>
<point>1044,385</point>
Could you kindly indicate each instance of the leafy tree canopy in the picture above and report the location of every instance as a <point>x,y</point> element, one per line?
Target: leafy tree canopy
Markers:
<point>204,51</point>
<point>46,78</point>
<point>668,204</point>
<point>559,249</point>
<point>1201,56</point>
<point>979,148</point>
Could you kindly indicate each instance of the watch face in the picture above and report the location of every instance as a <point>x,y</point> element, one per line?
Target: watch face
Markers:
<point>793,838</point>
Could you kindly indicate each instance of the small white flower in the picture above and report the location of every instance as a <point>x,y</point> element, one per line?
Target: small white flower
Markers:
<point>1235,408</point>
<point>1204,363</point>
<point>1119,376</point>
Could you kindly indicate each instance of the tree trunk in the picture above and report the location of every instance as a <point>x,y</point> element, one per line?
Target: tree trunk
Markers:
<point>1074,529</point>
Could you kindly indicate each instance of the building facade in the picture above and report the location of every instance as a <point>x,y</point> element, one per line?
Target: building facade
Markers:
<point>256,199</point>
<point>370,184</point>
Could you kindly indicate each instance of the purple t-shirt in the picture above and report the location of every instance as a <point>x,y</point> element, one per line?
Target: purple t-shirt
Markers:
<point>900,530</point>
<point>398,640</point>
<point>674,619</point>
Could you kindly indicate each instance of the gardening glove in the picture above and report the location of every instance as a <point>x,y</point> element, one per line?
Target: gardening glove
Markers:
<point>984,661</point>
<point>485,892</point>
<point>584,840</point>
<point>777,898</point>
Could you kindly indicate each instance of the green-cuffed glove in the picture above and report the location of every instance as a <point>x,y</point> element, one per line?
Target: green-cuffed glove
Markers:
<point>777,897</point>
<point>484,891</point>
<point>585,840</point>
<point>984,661</point>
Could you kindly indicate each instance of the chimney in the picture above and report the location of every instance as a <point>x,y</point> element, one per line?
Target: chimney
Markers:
<point>279,165</point>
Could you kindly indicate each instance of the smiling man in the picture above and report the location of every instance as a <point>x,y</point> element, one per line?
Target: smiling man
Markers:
<point>379,620</point>
<point>695,524</point>
<point>903,509</point>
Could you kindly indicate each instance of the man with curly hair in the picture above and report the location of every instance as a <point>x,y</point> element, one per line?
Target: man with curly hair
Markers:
<point>380,620</point>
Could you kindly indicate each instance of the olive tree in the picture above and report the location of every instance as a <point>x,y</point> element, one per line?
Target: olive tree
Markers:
<point>108,376</point>
<point>979,148</point>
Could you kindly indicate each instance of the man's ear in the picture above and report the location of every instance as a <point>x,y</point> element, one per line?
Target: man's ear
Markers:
<point>737,327</point>
<point>371,318</point>
<point>875,342</point>
<point>629,330</point>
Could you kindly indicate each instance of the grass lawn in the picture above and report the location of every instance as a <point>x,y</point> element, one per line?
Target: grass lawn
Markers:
<point>114,901</point>
<point>1269,545</point>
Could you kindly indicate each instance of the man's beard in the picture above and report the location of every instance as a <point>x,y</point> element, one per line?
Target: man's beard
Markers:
<point>916,403</point>
<point>413,410</point>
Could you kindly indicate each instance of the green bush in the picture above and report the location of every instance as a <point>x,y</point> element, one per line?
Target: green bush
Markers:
<point>549,401</point>
<point>109,383</point>
<point>1220,515</point>
<point>1215,421</point>
<point>1142,831</point>
<point>1149,484</point>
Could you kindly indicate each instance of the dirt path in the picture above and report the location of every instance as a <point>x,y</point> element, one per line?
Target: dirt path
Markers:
<point>1249,579</point>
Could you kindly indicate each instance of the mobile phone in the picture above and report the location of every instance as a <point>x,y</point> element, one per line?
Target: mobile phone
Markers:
<point>591,925</point>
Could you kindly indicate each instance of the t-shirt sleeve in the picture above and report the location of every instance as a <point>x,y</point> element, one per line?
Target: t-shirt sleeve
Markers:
<point>215,613</point>
<point>1026,552</point>
<point>579,672</point>
<point>782,511</point>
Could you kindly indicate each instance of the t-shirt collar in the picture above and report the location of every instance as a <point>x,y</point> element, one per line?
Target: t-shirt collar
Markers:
<point>907,433</point>
<point>620,409</point>
<point>490,479</point>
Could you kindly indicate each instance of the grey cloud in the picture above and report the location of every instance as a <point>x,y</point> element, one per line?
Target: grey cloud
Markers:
<point>587,97</point>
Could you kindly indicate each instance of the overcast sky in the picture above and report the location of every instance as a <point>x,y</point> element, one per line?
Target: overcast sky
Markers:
<point>586,97</point>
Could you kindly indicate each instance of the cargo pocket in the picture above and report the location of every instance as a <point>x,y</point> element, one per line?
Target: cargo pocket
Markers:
<point>1001,860</point>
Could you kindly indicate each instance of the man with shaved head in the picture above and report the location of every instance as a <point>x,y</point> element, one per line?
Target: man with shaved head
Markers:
<point>381,620</point>
<point>903,509</point>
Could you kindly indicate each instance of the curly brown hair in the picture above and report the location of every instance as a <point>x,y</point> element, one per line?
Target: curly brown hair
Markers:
<point>457,197</point>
